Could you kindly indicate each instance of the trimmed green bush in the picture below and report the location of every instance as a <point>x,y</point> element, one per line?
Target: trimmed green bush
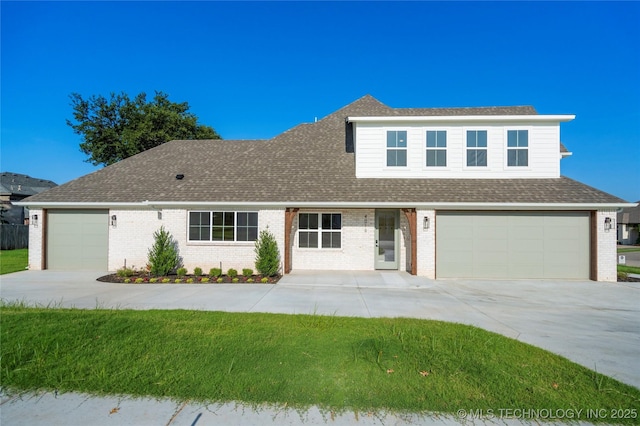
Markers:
<point>215,272</point>
<point>247,272</point>
<point>232,273</point>
<point>267,254</point>
<point>125,272</point>
<point>197,271</point>
<point>163,255</point>
<point>181,272</point>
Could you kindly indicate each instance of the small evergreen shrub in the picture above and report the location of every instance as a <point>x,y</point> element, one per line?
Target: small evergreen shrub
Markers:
<point>264,280</point>
<point>215,272</point>
<point>219,280</point>
<point>197,271</point>
<point>178,281</point>
<point>247,272</point>
<point>235,280</point>
<point>250,280</point>
<point>204,280</point>
<point>127,280</point>
<point>163,255</point>
<point>153,280</point>
<point>232,273</point>
<point>181,272</point>
<point>139,281</point>
<point>189,280</point>
<point>166,280</point>
<point>125,272</point>
<point>267,254</point>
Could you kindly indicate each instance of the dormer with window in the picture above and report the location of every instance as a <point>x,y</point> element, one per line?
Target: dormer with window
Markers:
<point>458,146</point>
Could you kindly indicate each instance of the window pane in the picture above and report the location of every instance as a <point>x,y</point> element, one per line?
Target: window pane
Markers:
<point>523,138</point>
<point>512,138</point>
<point>242,234</point>
<point>252,233</point>
<point>228,234</point>
<point>482,138</point>
<point>391,139</point>
<point>336,221</point>
<point>217,218</point>
<point>313,221</point>
<point>441,158</point>
<point>431,157</point>
<point>242,219</point>
<point>512,157</point>
<point>471,138</point>
<point>523,157</point>
<point>217,233</point>
<point>401,157</point>
<point>326,221</point>
<point>229,218</point>
<point>331,240</point>
<point>313,239</point>
<point>303,239</point>
<point>442,139</point>
<point>391,157</point>
<point>402,139</point>
<point>303,218</point>
<point>481,157</point>
<point>431,138</point>
<point>253,219</point>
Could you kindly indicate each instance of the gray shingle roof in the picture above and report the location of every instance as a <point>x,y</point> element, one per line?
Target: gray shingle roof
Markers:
<point>19,184</point>
<point>306,164</point>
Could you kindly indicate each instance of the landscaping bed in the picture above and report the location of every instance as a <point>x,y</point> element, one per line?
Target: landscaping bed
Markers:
<point>144,278</point>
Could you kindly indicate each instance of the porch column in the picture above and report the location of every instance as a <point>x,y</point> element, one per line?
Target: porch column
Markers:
<point>289,215</point>
<point>413,229</point>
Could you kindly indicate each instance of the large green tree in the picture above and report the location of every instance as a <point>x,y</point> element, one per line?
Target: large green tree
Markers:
<point>118,127</point>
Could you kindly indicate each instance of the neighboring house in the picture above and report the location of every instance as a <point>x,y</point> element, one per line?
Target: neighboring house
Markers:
<point>438,192</point>
<point>16,187</point>
<point>629,225</point>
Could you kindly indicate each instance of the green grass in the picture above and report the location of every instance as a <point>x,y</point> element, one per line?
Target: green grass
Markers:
<point>13,260</point>
<point>629,269</point>
<point>333,362</point>
<point>628,250</point>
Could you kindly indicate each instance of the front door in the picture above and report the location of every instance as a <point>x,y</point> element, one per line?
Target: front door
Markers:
<point>386,235</point>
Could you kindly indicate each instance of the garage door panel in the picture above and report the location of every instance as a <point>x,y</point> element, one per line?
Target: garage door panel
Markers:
<point>513,244</point>
<point>77,239</point>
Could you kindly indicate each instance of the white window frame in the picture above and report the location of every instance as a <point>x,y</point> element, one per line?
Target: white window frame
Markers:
<point>387,148</point>
<point>211,227</point>
<point>467,148</point>
<point>320,230</point>
<point>508,148</point>
<point>436,148</point>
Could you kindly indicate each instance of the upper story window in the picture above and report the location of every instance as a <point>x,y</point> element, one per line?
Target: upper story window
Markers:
<point>223,226</point>
<point>396,148</point>
<point>476,148</point>
<point>517,148</point>
<point>436,148</point>
<point>325,228</point>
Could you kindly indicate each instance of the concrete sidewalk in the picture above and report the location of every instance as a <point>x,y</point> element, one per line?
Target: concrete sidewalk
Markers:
<point>594,324</point>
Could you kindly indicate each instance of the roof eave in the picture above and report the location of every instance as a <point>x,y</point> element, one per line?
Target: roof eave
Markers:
<point>467,118</point>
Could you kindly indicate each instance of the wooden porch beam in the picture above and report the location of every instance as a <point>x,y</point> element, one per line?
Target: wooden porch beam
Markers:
<point>412,218</point>
<point>289,215</point>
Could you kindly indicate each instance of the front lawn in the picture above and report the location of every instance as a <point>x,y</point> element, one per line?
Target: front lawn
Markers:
<point>337,363</point>
<point>13,260</point>
<point>629,269</point>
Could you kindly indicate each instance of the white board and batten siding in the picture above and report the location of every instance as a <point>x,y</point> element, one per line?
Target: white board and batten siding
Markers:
<point>543,150</point>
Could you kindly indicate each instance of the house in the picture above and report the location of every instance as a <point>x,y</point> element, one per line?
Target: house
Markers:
<point>437,192</point>
<point>16,187</point>
<point>628,225</point>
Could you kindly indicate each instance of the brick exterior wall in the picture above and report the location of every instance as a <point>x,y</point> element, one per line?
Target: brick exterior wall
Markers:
<point>36,240</point>
<point>426,244</point>
<point>606,241</point>
<point>358,244</point>
<point>133,236</point>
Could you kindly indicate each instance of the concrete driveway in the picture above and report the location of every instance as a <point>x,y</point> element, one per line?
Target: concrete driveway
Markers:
<point>594,324</point>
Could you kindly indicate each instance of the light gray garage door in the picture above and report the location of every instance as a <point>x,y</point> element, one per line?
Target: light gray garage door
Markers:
<point>512,245</point>
<point>77,239</point>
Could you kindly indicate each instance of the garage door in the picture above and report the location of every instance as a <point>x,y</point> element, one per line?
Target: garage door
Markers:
<point>512,245</point>
<point>77,239</point>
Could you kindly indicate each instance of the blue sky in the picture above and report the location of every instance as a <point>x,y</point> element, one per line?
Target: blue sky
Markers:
<point>254,70</point>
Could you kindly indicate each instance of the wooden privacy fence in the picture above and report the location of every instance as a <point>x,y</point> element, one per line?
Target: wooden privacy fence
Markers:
<point>14,237</point>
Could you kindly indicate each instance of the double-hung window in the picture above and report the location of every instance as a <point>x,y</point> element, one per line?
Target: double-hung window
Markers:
<point>436,148</point>
<point>517,148</point>
<point>319,229</point>
<point>476,148</point>
<point>223,226</point>
<point>396,148</point>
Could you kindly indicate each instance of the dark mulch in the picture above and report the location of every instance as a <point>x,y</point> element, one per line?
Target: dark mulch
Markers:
<point>225,279</point>
<point>628,280</point>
